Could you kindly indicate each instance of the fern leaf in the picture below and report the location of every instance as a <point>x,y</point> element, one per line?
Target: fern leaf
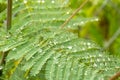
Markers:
<point>48,52</point>
<point>37,67</point>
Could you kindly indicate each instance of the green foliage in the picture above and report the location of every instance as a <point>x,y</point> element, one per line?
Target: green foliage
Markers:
<point>39,49</point>
<point>2,8</point>
<point>101,32</point>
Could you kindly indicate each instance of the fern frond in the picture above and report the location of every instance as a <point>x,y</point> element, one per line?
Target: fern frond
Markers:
<point>47,52</point>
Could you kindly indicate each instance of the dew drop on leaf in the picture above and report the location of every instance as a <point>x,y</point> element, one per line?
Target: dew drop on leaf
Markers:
<point>53,18</point>
<point>25,1</point>
<point>38,1</point>
<point>69,47</point>
<point>96,19</point>
<point>89,47</point>
<point>59,65</point>
<point>88,44</point>
<point>105,64</point>
<point>72,69</point>
<point>40,50</point>
<point>13,49</point>
<point>91,60</point>
<point>82,22</point>
<point>68,26</point>
<point>50,72</point>
<point>100,55</point>
<point>74,24</point>
<point>83,49</point>
<point>108,59</point>
<point>43,1</point>
<point>5,49</point>
<point>98,60</point>
<point>1,67</point>
<point>68,12</point>
<point>101,64</point>
<point>53,1</point>
<point>103,59</point>
<point>56,62</point>
<point>95,65</point>
<point>27,77</point>
<point>85,73</point>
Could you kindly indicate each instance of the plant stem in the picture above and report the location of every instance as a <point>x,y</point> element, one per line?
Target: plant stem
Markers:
<point>74,13</point>
<point>108,44</point>
<point>9,14</point>
<point>9,20</point>
<point>114,77</point>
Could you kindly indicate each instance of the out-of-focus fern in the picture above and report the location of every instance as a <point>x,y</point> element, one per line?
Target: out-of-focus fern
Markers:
<point>40,50</point>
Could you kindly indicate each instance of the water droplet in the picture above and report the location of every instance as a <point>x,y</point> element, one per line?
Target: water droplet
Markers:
<point>20,38</point>
<point>90,56</point>
<point>105,64</point>
<point>85,73</point>
<point>54,18</point>
<point>91,60</point>
<point>86,57</point>
<point>13,49</point>
<point>108,59</point>
<point>103,59</point>
<point>68,12</point>
<point>69,47</point>
<point>105,69</point>
<point>82,22</point>
<point>39,1</point>
<point>59,65</point>
<point>25,1</point>
<point>96,19</point>
<point>69,26</point>
<point>56,62</point>
<point>5,49</point>
<point>72,69</point>
<point>89,47</point>
<point>40,50</point>
<point>98,60</point>
<point>100,55</point>
<point>53,1</point>
<point>83,49</point>
<point>95,65</point>
<point>27,77</point>
<point>43,1</point>
<point>74,24</point>
<point>16,0</point>
<point>117,67</point>
<point>101,64</point>
<point>7,36</point>
<point>1,67</point>
<point>54,58</point>
<point>88,44</point>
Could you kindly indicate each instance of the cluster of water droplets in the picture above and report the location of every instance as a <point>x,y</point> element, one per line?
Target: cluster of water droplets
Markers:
<point>43,1</point>
<point>25,1</point>
<point>39,1</point>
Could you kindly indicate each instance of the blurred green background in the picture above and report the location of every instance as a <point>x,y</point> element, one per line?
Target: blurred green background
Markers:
<point>108,13</point>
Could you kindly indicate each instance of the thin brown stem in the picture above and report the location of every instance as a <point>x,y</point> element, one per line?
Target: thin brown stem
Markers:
<point>113,38</point>
<point>9,14</point>
<point>9,20</point>
<point>116,76</point>
<point>74,13</point>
